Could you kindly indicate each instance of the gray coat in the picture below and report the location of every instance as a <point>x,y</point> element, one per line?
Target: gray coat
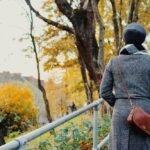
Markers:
<point>136,71</point>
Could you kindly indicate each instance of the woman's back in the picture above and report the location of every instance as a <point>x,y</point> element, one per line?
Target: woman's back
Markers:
<point>136,73</point>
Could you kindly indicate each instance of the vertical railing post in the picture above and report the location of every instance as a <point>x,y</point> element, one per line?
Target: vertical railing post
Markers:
<point>22,144</point>
<point>22,147</point>
<point>95,128</point>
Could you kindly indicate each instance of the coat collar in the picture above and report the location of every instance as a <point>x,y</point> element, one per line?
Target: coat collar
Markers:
<point>131,49</point>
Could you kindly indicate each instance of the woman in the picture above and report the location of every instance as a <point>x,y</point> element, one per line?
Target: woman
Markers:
<point>134,63</point>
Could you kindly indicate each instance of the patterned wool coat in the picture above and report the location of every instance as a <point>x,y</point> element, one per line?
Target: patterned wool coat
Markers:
<point>136,71</point>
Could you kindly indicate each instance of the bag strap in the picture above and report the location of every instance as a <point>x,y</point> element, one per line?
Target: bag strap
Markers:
<point>123,81</point>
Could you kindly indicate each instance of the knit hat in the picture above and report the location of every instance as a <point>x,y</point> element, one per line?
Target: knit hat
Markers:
<point>134,33</point>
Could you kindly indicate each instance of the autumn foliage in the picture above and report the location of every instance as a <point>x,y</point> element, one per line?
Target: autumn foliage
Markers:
<point>17,106</point>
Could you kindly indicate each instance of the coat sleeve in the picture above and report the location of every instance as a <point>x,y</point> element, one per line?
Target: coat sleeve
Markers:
<point>106,87</point>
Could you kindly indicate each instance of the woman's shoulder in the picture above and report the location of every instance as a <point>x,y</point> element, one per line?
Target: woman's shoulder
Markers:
<point>111,62</point>
<point>112,59</point>
<point>141,56</point>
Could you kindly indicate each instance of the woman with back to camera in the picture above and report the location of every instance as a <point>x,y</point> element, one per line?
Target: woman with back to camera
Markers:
<point>134,63</point>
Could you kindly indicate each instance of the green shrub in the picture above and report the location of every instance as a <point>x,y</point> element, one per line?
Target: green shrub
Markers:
<point>44,145</point>
<point>14,134</point>
<point>77,137</point>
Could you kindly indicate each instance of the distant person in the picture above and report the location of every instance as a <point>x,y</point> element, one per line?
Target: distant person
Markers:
<point>134,63</point>
<point>73,107</point>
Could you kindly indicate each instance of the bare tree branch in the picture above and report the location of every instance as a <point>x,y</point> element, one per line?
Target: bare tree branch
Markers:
<point>48,21</point>
<point>85,79</point>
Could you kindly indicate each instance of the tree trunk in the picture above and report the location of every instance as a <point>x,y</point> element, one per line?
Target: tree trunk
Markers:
<point>84,27</point>
<point>86,43</point>
<point>131,11</point>
<point>87,88</point>
<point>135,14</point>
<point>41,87</point>
<point>120,24</point>
<point>98,17</point>
<point>47,107</point>
<point>115,23</point>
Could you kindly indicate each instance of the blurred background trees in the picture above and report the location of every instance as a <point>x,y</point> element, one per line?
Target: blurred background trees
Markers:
<point>80,37</point>
<point>77,41</point>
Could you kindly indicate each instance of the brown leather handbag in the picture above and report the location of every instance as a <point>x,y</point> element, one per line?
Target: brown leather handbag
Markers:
<point>137,116</point>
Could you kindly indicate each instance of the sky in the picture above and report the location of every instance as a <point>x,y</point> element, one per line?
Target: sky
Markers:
<point>13,25</point>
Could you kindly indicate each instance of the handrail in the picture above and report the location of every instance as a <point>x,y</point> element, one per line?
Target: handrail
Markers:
<point>20,142</point>
<point>103,142</point>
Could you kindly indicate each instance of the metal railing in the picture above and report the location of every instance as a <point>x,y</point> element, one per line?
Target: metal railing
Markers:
<point>20,142</point>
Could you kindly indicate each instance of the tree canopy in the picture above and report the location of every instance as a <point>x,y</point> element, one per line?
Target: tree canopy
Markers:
<point>90,30</point>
